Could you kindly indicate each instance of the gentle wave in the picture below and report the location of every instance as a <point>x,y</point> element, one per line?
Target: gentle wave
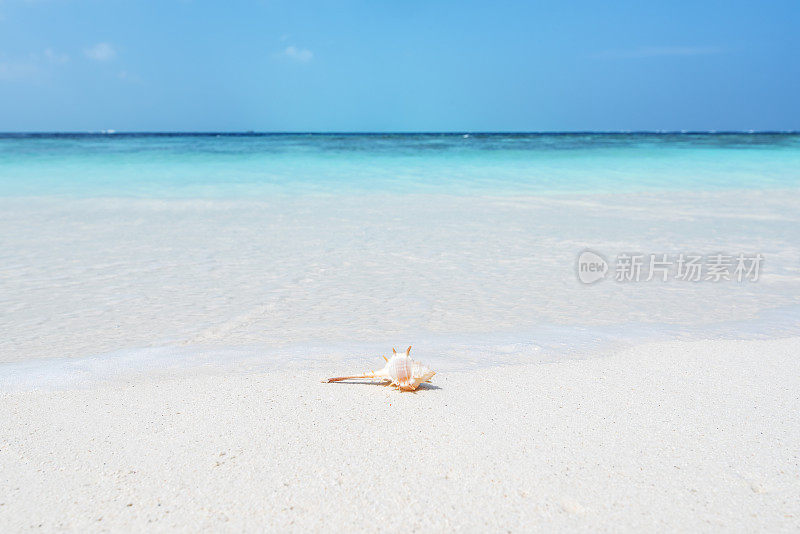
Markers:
<point>548,344</point>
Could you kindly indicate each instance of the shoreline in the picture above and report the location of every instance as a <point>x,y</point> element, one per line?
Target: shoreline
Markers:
<point>448,353</point>
<point>673,436</point>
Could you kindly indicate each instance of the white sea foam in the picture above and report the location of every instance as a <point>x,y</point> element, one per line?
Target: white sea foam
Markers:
<point>445,353</point>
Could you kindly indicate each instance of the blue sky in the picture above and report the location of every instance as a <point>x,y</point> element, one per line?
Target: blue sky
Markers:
<point>76,65</point>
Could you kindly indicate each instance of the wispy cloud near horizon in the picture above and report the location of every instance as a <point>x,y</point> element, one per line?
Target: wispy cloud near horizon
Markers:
<point>658,51</point>
<point>14,71</point>
<point>129,77</point>
<point>32,66</point>
<point>300,55</point>
<point>100,52</point>
<point>55,57</point>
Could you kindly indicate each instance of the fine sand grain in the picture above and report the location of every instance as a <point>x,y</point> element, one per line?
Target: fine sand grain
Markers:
<point>680,436</point>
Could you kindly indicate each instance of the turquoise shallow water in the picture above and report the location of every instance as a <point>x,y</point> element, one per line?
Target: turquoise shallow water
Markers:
<point>258,165</point>
<point>354,243</point>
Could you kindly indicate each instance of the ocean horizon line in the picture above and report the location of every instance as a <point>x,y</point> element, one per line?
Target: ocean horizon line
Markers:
<point>253,133</point>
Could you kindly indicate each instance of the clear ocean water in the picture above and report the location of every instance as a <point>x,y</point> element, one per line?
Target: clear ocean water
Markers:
<point>161,253</point>
<point>233,165</point>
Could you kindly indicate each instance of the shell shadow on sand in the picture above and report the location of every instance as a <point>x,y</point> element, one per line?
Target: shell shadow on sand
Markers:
<point>421,387</point>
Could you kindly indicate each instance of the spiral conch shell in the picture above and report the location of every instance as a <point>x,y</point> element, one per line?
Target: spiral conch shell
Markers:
<point>400,370</point>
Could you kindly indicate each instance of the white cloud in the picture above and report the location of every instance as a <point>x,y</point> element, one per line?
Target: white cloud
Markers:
<point>660,51</point>
<point>14,71</point>
<point>32,66</point>
<point>100,52</point>
<point>55,57</point>
<point>128,77</point>
<point>301,55</point>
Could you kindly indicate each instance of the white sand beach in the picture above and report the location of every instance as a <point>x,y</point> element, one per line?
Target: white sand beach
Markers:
<point>699,436</point>
<point>162,359</point>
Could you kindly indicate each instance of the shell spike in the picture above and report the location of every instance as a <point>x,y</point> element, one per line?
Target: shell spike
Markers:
<point>400,371</point>
<point>340,378</point>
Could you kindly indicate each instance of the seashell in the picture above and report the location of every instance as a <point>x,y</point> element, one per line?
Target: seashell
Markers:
<point>400,371</point>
